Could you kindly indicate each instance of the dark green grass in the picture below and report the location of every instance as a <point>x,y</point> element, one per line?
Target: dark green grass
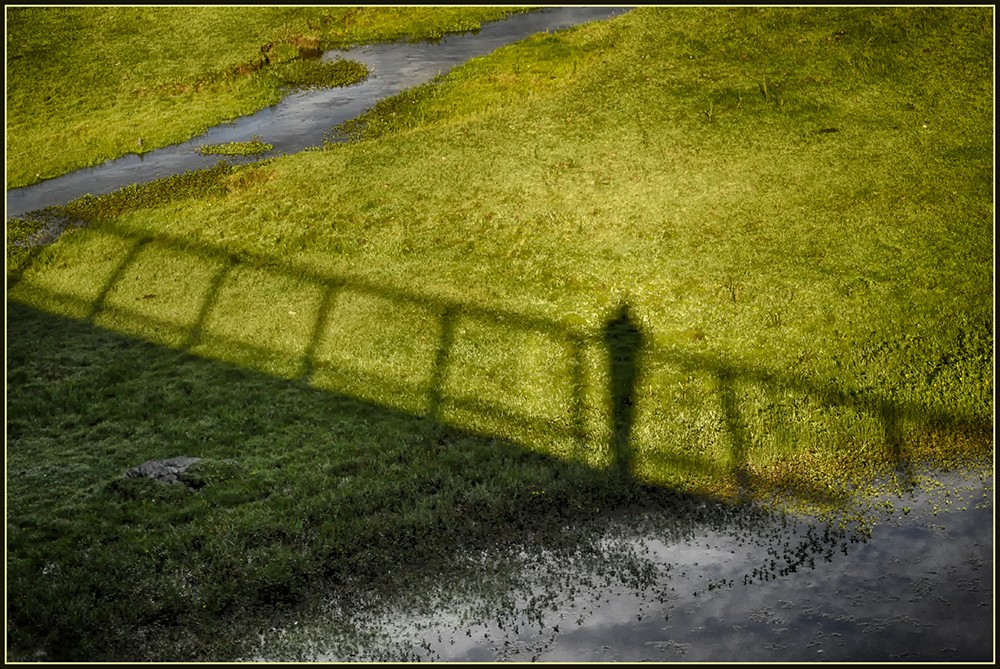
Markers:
<point>328,492</point>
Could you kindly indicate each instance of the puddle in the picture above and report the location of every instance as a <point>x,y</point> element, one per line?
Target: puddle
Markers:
<point>301,119</point>
<point>917,584</point>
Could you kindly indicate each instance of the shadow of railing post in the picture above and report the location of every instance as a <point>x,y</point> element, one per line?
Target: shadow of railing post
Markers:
<point>319,327</point>
<point>737,432</point>
<point>98,304</point>
<point>441,361</point>
<point>211,297</point>
<point>578,389</point>
<point>891,433</point>
<point>624,341</point>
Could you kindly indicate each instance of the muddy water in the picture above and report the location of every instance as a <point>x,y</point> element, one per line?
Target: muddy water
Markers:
<point>301,120</point>
<point>914,582</point>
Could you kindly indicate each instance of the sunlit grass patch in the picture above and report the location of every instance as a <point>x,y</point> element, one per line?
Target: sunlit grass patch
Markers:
<point>258,318</point>
<point>160,295</point>
<point>515,380</point>
<point>521,370</point>
<point>59,286</point>
<point>376,347</point>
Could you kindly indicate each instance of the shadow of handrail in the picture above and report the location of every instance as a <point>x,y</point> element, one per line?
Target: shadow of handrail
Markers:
<point>583,425</point>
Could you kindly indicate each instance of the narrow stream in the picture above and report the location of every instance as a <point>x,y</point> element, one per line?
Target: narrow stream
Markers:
<point>301,120</point>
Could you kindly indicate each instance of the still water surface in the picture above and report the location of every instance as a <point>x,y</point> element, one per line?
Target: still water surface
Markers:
<point>301,120</point>
<point>915,585</point>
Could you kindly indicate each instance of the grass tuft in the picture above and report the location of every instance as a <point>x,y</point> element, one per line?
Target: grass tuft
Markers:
<point>252,148</point>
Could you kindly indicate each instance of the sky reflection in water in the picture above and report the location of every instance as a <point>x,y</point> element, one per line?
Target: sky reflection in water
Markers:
<point>920,588</point>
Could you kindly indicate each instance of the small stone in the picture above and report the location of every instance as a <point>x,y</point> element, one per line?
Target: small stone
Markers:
<point>164,471</point>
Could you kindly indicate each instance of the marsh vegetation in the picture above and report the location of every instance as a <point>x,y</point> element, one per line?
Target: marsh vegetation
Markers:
<point>254,147</point>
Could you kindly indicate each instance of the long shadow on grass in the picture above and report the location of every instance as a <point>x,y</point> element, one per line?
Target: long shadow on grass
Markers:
<point>348,468</point>
<point>329,494</point>
<point>452,360</point>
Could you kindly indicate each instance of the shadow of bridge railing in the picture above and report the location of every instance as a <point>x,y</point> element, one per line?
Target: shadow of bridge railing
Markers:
<point>570,391</point>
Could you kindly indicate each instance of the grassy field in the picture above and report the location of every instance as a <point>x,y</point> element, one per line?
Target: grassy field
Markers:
<point>193,68</point>
<point>739,254</point>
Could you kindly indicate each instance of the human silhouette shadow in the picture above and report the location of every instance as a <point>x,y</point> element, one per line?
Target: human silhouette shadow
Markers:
<point>624,341</point>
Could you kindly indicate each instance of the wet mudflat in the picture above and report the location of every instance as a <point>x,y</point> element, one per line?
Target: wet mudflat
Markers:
<point>910,579</point>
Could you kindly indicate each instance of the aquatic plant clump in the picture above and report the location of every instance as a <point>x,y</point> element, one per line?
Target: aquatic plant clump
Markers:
<point>388,116</point>
<point>191,184</point>
<point>307,74</point>
<point>254,147</point>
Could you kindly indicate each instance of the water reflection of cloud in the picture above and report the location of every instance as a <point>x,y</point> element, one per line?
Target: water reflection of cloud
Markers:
<point>921,587</point>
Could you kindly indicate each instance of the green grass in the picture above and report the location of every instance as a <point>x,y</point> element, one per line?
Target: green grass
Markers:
<point>328,490</point>
<point>402,339</point>
<point>82,89</point>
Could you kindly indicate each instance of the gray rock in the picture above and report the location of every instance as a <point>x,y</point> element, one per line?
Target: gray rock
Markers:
<point>164,471</point>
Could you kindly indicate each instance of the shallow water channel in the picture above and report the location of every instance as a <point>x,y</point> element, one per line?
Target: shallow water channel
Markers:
<point>914,582</point>
<point>301,120</point>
